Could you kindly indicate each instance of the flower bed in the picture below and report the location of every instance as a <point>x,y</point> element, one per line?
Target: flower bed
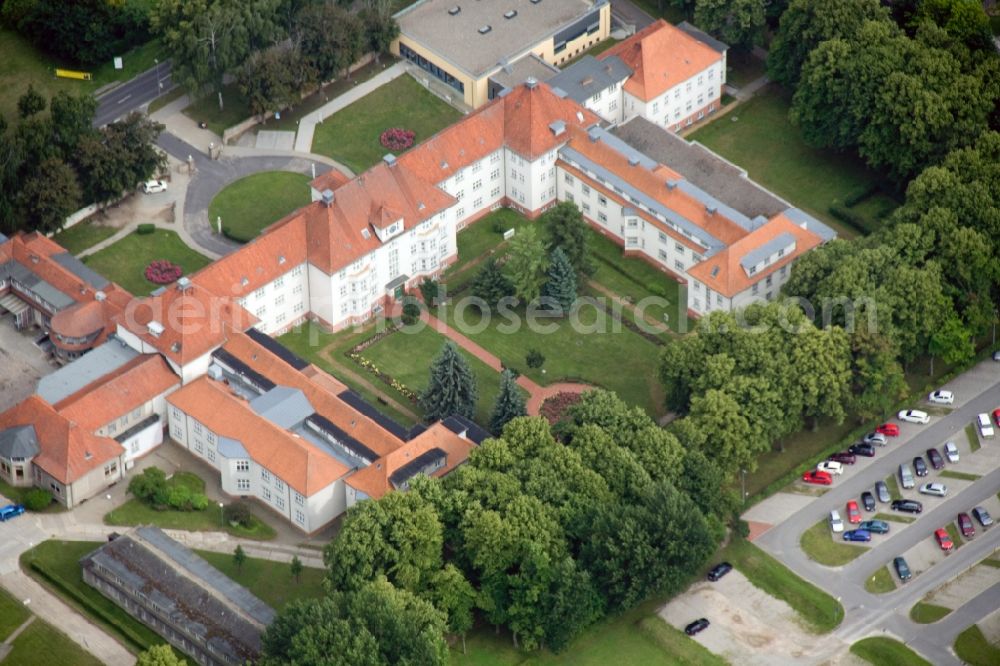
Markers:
<point>162,271</point>
<point>397,138</point>
<point>555,407</point>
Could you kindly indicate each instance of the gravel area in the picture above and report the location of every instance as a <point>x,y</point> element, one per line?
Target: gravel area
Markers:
<point>22,364</point>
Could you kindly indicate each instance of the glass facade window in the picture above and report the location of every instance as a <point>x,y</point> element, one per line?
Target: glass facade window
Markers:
<point>430,68</point>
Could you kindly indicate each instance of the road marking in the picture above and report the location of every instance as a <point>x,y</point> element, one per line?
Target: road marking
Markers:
<point>124,98</point>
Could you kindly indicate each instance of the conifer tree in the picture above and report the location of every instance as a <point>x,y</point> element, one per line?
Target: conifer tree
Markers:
<point>561,284</point>
<point>491,284</point>
<point>452,388</point>
<point>509,405</point>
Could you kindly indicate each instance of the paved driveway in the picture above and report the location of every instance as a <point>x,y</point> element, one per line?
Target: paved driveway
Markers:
<point>22,364</point>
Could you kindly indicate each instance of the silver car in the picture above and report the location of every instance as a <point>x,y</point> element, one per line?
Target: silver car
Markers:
<point>906,476</point>
<point>951,452</point>
<point>936,489</point>
<point>882,492</point>
<point>875,438</point>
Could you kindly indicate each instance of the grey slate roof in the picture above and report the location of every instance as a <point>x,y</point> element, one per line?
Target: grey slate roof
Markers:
<point>283,406</point>
<point>758,254</point>
<point>77,268</point>
<point>588,75</point>
<point>530,66</point>
<point>35,284</point>
<point>232,449</point>
<point>806,220</point>
<point>703,37</point>
<point>19,442</point>
<point>100,361</point>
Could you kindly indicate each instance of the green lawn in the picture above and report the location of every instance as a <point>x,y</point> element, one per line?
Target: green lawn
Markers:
<point>408,357</point>
<point>352,134</point>
<point>820,611</point>
<point>234,109</point>
<point>41,644</point>
<point>893,486</point>
<point>759,137</point>
<point>880,650</point>
<point>163,100</point>
<point>135,512</point>
<point>894,517</point>
<point>820,547</point>
<point>964,476</point>
<point>17,494</point>
<point>83,236</point>
<point>956,537</point>
<point>973,437</point>
<point>881,581</point>
<point>925,613</point>
<point>12,614</point>
<point>478,240</point>
<point>973,648</point>
<point>271,581</point>
<point>252,203</point>
<point>125,261</point>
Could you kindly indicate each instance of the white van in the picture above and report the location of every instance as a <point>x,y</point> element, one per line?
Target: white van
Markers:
<point>906,476</point>
<point>985,425</point>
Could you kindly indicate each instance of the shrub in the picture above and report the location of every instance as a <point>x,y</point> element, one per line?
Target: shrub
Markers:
<point>150,486</point>
<point>199,502</point>
<point>145,229</point>
<point>430,290</point>
<point>848,216</point>
<point>554,408</point>
<point>411,313</point>
<point>239,513</point>
<point>162,271</point>
<point>37,499</point>
<point>534,358</point>
<point>397,138</point>
<point>179,498</point>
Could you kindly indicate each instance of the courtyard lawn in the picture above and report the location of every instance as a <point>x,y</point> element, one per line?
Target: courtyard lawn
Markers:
<point>83,236</point>
<point>352,134</point>
<point>235,109</point>
<point>972,647</point>
<point>480,240</point>
<point>926,613</point>
<point>17,494</point>
<point>589,347</point>
<point>759,137</point>
<point>881,581</point>
<point>250,204</point>
<point>12,614</point>
<point>135,512</point>
<point>408,357</point>
<point>125,261</point>
<point>41,644</point>
<point>880,650</point>
<point>817,543</point>
<point>272,582</point>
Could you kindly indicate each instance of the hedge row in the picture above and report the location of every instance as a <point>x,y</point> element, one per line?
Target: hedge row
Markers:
<point>850,217</point>
<point>145,229</point>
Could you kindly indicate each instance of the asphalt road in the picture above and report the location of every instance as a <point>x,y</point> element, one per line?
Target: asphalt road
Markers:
<point>132,95</point>
<point>867,613</point>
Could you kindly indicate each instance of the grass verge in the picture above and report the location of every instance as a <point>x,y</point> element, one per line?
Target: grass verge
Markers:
<point>973,436</point>
<point>677,644</point>
<point>972,647</point>
<point>252,203</point>
<point>956,537</point>
<point>881,582</point>
<point>126,260</point>
<point>893,486</point>
<point>894,517</point>
<point>12,614</point>
<point>964,476</point>
<point>83,236</point>
<point>41,644</point>
<point>271,582</point>
<point>234,109</point>
<point>163,100</point>
<point>817,543</point>
<point>925,613</point>
<point>879,650</point>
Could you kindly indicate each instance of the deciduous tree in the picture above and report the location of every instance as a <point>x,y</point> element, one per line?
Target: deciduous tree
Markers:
<point>50,196</point>
<point>332,38</point>
<point>159,655</point>
<point>736,22</point>
<point>526,264</point>
<point>566,229</point>
<point>30,103</point>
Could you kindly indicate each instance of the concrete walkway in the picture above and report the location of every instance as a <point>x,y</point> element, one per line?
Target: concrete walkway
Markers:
<point>307,125</point>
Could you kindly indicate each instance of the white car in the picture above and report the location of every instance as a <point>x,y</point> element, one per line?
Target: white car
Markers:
<point>914,416</point>
<point>942,397</point>
<point>836,524</point>
<point>951,452</point>
<point>936,489</point>
<point>830,467</point>
<point>154,186</point>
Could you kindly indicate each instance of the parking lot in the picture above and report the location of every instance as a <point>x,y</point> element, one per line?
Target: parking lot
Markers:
<point>22,364</point>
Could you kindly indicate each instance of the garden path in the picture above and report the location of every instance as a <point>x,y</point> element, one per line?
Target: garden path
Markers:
<point>327,354</point>
<point>657,326</point>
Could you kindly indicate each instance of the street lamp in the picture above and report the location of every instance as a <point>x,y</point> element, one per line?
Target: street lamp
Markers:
<point>158,82</point>
<point>222,516</point>
<point>743,484</point>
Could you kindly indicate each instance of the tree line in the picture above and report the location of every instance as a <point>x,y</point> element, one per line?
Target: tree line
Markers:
<point>542,532</point>
<point>275,49</point>
<point>53,163</point>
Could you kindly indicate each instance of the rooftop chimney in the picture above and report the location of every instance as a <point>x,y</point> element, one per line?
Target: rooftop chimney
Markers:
<point>389,159</point>
<point>183,283</point>
<point>671,185</point>
<point>710,209</point>
<point>100,296</point>
<point>633,161</point>
<point>155,328</point>
<point>531,83</point>
<point>327,198</point>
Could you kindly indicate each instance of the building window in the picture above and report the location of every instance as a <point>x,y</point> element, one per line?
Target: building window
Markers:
<point>495,192</point>
<point>210,436</point>
<point>242,484</point>
<point>300,517</point>
<point>477,184</point>
<point>279,502</point>
<point>495,174</point>
<point>267,494</point>
<point>601,199</point>
<point>769,280</point>
<point>586,190</point>
<point>279,485</point>
<point>753,289</point>
<point>718,299</point>
<point>265,476</point>
<point>679,248</point>
<point>662,254</point>
<point>494,158</point>
<point>602,217</point>
<point>679,266</point>
<point>259,293</point>
<point>280,300</point>
<point>197,428</point>
<point>279,281</point>
<point>299,499</point>
<point>242,465</point>
<point>568,178</point>
<point>784,270</point>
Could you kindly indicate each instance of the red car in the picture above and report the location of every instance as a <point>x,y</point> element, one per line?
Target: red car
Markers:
<point>853,513</point>
<point>888,429</point>
<point>941,534</point>
<point>818,477</point>
<point>996,416</point>
<point>966,526</point>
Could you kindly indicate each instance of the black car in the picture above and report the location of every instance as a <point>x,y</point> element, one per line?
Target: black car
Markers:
<point>719,570</point>
<point>843,457</point>
<point>696,626</point>
<point>868,500</point>
<point>983,516</point>
<point>937,462</point>
<point>919,467</point>
<point>902,569</point>
<point>907,505</point>
<point>862,449</point>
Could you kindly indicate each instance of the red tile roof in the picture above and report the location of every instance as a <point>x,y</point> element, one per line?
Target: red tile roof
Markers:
<point>661,56</point>
<point>330,180</point>
<point>68,450</point>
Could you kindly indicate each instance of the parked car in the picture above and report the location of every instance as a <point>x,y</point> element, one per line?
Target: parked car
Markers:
<point>836,524</point>
<point>857,535</point>
<point>902,569</point>
<point>937,462</point>
<point>154,186</point>
<point>882,492</point>
<point>862,449</point>
<point>951,452</point>
<point>868,501</point>
<point>914,416</point>
<point>875,438</point>
<point>919,466</point>
<point>906,477</point>
<point>943,539</point>
<point>830,467</point>
<point>907,505</point>
<point>697,626</point>
<point>817,477</point>
<point>941,397</point>
<point>965,525</point>
<point>844,458</point>
<point>719,570</point>
<point>996,356</point>
<point>11,511</point>
<point>985,427</point>
<point>888,429</point>
<point>996,416</point>
<point>874,526</point>
<point>983,516</point>
<point>936,489</point>
<point>853,513</point>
